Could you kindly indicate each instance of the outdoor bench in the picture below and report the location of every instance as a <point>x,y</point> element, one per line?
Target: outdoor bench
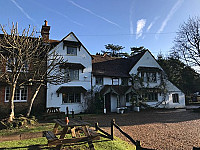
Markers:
<point>53,112</point>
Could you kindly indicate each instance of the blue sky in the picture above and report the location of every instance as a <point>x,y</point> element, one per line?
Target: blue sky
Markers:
<point>149,23</point>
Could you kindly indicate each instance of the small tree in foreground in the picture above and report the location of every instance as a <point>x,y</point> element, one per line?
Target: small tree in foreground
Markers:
<point>24,62</point>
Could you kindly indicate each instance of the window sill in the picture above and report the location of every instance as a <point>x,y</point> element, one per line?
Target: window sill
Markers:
<point>17,101</point>
<point>71,103</point>
<point>71,55</point>
<point>151,101</point>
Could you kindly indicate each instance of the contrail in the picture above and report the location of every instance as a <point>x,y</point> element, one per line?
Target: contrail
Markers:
<point>169,16</point>
<point>89,11</point>
<point>22,10</point>
<point>59,13</point>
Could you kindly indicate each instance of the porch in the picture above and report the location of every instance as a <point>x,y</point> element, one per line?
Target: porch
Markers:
<point>114,97</point>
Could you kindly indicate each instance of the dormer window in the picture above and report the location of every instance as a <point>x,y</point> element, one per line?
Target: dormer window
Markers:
<point>72,47</point>
<point>72,50</point>
<point>149,74</point>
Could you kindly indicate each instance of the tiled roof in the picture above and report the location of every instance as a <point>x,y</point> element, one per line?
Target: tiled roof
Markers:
<point>117,67</point>
<point>100,58</point>
<point>72,65</point>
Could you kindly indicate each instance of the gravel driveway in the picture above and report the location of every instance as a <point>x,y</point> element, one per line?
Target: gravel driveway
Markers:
<point>156,129</point>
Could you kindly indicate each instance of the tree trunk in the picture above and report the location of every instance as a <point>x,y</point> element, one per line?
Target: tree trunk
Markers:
<point>11,102</point>
<point>32,100</point>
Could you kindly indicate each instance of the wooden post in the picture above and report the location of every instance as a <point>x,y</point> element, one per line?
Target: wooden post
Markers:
<point>67,111</point>
<point>112,129</point>
<point>96,126</point>
<point>72,113</point>
<point>138,147</point>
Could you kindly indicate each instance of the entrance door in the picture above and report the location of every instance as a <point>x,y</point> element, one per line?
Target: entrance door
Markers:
<point>107,103</point>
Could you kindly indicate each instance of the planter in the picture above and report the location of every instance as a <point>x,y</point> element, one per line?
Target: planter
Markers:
<point>121,111</point>
<point>136,108</point>
<point>118,110</point>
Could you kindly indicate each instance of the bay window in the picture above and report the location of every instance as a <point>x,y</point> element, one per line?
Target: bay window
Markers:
<point>71,97</point>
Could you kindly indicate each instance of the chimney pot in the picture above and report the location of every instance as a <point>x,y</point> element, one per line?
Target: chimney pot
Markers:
<point>45,22</point>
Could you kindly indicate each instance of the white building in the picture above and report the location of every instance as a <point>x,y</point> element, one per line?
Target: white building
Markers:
<point>77,69</point>
<point>112,79</point>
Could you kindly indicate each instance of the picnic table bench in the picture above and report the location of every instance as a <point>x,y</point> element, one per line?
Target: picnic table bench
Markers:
<point>74,127</point>
<point>53,111</point>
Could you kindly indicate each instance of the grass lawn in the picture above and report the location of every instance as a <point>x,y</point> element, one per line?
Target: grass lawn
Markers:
<point>37,128</point>
<point>41,143</point>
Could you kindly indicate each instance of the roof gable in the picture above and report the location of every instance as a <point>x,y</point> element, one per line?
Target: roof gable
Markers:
<point>72,37</point>
<point>116,68</point>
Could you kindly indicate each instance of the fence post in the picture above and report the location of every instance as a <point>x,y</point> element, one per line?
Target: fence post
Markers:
<point>112,129</point>
<point>72,113</point>
<point>137,144</point>
<point>96,126</point>
<point>67,111</point>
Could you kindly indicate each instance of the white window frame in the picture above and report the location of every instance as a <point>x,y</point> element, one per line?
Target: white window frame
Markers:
<point>20,94</point>
<point>74,98</point>
<point>150,97</point>
<point>115,81</point>
<point>71,74</point>
<point>176,96</point>
<point>74,48</point>
<point>150,77</point>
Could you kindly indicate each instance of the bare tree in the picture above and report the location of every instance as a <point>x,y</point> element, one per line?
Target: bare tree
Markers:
<point>46,69</point>
<point>24,62</point>
<point>187,42</point>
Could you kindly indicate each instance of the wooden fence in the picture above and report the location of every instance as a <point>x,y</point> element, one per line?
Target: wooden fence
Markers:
<point>111,135</point>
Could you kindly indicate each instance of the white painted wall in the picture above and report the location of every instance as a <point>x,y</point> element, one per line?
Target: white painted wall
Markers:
<point>84,58</point>
<point>148,61</point>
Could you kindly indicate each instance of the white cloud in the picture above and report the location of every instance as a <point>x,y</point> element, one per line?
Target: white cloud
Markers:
<point>91,12</point>
<point>169,16</point>
<point>140,25</point>
<point>22,10</point>
<point>152,23</point>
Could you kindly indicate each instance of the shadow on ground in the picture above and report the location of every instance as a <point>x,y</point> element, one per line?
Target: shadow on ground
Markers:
<point>143,117</point>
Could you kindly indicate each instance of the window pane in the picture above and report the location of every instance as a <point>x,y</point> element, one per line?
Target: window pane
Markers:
<point>65,98</point>
<point>17,94</point>
<point>71,97</point>
<point>175,98</point>
<point>115,81</point>
<point>99,80</point>
<point>76,74</point>
<point>71,50</point>
<point>77,97</point>
<point>7,93</point>
<point>24,93</point>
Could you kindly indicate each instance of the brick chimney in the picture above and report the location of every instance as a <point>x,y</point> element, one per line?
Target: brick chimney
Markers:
<point>45,31</point>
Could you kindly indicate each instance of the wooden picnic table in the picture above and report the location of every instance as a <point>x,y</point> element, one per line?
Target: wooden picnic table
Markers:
<point>74,127</point>
<point>53,110</point>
